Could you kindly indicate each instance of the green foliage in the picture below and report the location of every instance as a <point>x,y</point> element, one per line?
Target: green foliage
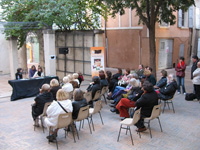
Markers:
<point>30,15</point>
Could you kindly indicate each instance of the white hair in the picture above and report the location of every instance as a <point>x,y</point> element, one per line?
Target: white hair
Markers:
<point>66,79</point>
<point>172,77</point>
<point>134,82</point>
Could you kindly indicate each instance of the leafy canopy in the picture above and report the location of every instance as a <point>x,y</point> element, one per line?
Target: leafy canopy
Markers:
<point>23,16</point>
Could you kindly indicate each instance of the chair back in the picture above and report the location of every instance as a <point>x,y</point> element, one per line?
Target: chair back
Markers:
<point>83,113</point>
<point>71,95</point>
<point>155,112</point>
<point>136,116</point>
<point>88,96</point>
<point>97,95</point>
<point>46,105</point>
<point>97,106</point>
<point>104,90</point>
<point>64,120</point>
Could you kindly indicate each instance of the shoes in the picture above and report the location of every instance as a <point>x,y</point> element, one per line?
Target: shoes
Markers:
<point>113,109</point>
<point>113,102</point>
<point>117,111</point>
<point>51,137</point>
<point>109,97</point>
<point>141,129</point>
<point>112,105</point>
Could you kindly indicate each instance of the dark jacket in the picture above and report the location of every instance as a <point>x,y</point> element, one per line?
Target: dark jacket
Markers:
<point>135,93</point>
<point>94,88</point>
<point>180,71</point>
<point>168,91</point>
<point>116,77</point>
<point>194,67</point>
<point>140,73</point>
<point>76,107</point>
<point>54,90</point>
<point>31,72</point>
<point>146,102</point>
<point>40,101</point>
<point>151,79</point>
<point>18,76</point>
<point>103,82</point>
<point>162,82</point>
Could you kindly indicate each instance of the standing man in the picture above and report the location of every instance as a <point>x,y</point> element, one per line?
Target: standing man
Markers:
<point>194,67</point>
<point>140,71</point>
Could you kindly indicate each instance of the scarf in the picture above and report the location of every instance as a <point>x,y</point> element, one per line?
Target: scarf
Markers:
<point>182,64</point>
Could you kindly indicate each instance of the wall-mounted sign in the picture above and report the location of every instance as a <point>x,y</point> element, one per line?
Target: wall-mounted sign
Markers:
<point>52,57</point>
<point>97,60</point>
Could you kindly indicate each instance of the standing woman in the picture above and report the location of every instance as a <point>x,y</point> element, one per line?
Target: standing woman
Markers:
<point>196,81</point>
<point>180,74</point>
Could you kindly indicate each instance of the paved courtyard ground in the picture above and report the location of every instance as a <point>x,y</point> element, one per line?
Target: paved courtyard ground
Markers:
<point>181,131</point>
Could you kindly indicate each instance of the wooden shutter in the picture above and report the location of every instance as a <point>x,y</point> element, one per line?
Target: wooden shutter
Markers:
<point>179,18</point>
<point>190,17</point>
<point>197,18</point>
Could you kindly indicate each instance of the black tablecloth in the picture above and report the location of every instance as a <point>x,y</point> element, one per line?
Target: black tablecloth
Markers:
<point>28,87</point>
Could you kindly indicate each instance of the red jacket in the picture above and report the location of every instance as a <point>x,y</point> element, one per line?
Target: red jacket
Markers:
<point>180,71</point>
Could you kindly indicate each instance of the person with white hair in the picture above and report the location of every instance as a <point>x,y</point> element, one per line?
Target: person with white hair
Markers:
<point>75,78</point>
<point>168,91</point>
<point>40,100</point>
<point>67,85</point>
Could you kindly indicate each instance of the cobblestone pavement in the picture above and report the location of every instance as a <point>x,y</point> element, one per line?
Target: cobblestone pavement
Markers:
<point>180,130</point>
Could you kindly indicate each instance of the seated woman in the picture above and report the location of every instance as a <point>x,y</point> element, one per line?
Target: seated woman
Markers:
<point>149,76</point>
<point>163,81</point>
<point>128,102</point>
<point>75,78</point>
<point>108,76</point>
<point>94,87</point>
<point>54,87</point>
<point>169,90</point>
<point>80,77</point>
<point>114,80</point>
<point>103,81</point>
<point>54,110</point>
<point>32,71</point>
<point>67,85</point>
<point>18,75</point>
<point>38,73</point>
<point>78,102</point>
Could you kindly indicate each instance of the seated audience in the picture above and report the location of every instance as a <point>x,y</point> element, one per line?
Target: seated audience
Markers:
<point>40,100</point>
<point>80,77</point>
<point>125,103</point>
<point>54,87</point>
<point>74,84</point>
<point>140,71</point>
<point>146,102</point>
<point>103,81</point>
<point>75,78</point>
<point>114,80</point>
<point>38,73</point>
<point>32,71</point>
<point>67,85</point>
<point>78,102</point>
<point>108,76</point>
<point>55,109</point>
<point>18,75</point>
<point>149,76</point>
<point>196,81</point>
<point>163,81</point>
<point>169,90</point>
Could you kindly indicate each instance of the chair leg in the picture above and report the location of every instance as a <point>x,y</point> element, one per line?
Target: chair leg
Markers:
<point>164,106</point>
<point>76,130</point>
<point>173,107</point>
<point>168,105</point>
<point>149,129</point>
<point>105,98</point>
<point>41,119</point>
<point>34,124</point>
<point>126,130</point>
<point>56,143</point>
<point>160,124</point>
<point>91,121</point>
<point>89,126</point>
<point>101,118</point>
<point>49,134</point>
<point>139,135</point>
<point>119,132</point>
<point>73,133</point>
<point>80,126</point>
<point>83,124</point>
<point>130,134</point>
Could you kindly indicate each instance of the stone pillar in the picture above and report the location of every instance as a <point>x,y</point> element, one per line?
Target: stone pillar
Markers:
<point>99,38</point>
<point>22,57</point>
<point>13,56</point>
<point>49,52</point>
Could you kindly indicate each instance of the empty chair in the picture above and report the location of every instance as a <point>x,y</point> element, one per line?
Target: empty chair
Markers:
<point>83,114</point>
<point>103,92</point>
<point>96,109</point>
<point>97,95</point>
<point>44,114</point>
<point>129,122</point>
<point>155,114</point>
<point>167,102</point>
<point>64,120</point>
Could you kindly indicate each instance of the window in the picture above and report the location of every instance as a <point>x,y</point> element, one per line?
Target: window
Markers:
<point>182,18</point>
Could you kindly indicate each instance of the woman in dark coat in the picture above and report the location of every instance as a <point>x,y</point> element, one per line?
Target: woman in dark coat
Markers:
<point>18,75</point>
<point>103,81</point>
<point>163,81</point>
<point>169,90</point>
<point>78,102</point>
<point>54,87</point>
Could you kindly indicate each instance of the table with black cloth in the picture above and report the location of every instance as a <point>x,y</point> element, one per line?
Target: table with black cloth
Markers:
<point>28,87</point>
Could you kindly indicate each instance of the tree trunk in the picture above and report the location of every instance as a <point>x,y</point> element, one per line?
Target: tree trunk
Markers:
<point>152,46</point>
<point>22,58</point>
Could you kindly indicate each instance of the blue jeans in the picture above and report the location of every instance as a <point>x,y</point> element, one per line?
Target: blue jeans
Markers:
<point>180,82</point>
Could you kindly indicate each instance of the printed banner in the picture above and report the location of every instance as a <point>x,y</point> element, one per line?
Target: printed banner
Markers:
<point>97,60</point>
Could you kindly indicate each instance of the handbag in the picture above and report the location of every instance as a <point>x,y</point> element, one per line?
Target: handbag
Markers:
<point>62,107</point>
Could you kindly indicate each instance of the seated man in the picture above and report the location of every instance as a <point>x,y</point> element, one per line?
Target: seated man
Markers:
<point>40,100</point>
<point>163,81</point>
<point>146,102</point>
<point>169,90</point>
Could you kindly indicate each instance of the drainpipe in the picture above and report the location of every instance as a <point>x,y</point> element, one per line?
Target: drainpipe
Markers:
<point>140,46</point>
